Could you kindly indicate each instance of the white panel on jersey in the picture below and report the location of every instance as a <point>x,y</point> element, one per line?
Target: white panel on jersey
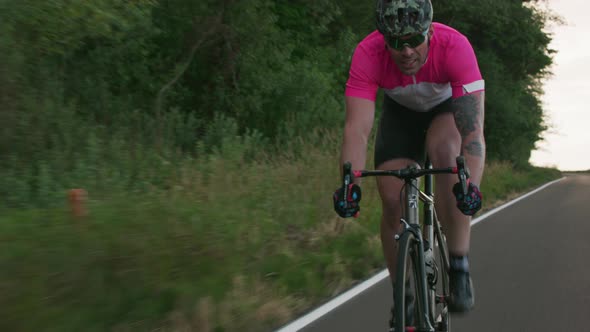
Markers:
<point>421,97</point>
<point>474,86</point>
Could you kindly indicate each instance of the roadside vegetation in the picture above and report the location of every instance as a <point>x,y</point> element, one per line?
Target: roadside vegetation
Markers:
<point>206,135</point>
<point>231,245</point>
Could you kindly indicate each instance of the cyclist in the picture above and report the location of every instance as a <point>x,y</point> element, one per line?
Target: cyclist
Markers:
<point>434,104</point>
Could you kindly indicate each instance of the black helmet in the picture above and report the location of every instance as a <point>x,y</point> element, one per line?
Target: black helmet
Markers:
<point>396,18</point>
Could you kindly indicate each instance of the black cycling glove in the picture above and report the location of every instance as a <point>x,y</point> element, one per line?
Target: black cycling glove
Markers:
<point>347,207</point>
<point>468,204</point>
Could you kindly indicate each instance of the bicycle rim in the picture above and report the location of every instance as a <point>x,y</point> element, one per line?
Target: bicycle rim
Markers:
<point>406,280</point>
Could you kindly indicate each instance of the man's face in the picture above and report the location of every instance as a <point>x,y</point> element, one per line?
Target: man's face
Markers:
<point>410,59</point>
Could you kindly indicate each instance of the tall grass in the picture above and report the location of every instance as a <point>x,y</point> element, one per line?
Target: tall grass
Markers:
<point>502,181</point>
<point>224,237</point>
<point>230,239</point>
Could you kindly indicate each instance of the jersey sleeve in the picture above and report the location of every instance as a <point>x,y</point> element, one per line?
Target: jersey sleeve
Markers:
<point>362,80</point>
<point>463,70</point>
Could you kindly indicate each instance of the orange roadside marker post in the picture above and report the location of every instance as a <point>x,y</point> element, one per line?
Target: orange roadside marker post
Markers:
<point>77,200</point>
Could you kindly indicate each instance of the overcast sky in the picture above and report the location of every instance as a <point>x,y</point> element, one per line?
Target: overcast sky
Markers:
<point>567,144</point>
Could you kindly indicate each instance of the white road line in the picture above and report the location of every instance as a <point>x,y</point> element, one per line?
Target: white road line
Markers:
<point>334,303</point>
<point>303,321</point>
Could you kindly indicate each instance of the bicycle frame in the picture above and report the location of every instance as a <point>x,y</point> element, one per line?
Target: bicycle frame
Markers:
<point>412,215</point>
<point>426,238</point>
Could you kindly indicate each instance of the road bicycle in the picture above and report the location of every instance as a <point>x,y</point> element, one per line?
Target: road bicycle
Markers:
<point>423,258</point>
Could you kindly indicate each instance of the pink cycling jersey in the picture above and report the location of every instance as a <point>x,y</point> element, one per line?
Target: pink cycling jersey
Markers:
<point>450,70</point>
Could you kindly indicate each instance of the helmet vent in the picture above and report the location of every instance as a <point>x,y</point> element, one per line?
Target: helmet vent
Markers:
<point>413,17</point>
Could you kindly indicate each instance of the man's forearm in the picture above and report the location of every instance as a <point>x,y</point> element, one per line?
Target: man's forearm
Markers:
<point>469,118</point>
<point>473,149</point>
<point>357,128</point>
<point>354,148</point>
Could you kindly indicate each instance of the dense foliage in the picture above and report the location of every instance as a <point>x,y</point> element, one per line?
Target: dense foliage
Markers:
<point>186,122</point>
<point>94,93</point>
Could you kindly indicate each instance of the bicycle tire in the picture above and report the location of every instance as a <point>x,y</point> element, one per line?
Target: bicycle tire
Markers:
<point>442,316</point>
<point>406,273</point>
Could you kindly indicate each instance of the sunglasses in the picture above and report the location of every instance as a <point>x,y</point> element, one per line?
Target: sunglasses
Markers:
<point>398,43</point>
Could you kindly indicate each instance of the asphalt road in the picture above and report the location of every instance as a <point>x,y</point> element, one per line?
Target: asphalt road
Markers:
<point>529,264</point>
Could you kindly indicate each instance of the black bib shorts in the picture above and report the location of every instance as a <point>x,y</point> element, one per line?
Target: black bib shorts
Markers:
<point>402,131</point>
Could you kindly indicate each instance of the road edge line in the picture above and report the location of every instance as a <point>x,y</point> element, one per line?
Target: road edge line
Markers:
<point>309,318</point>
<point>317,313</point>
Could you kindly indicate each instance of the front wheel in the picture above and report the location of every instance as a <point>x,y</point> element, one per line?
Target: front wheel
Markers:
<point>406,288</point>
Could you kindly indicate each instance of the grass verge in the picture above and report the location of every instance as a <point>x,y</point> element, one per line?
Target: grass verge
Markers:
<point>232,246</point>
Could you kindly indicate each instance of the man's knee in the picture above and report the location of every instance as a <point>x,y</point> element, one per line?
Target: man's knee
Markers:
<point>443,141</point>
<point>444,152</point>
<point>390,190</point>
<point>391,209</point>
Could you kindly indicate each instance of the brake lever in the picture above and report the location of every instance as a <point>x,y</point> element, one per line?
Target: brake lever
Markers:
<point>463,173</point>
<point>347,173</point>
<point>347,178</point>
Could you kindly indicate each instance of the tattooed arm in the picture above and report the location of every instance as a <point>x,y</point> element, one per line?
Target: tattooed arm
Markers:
<point>469,118</point>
